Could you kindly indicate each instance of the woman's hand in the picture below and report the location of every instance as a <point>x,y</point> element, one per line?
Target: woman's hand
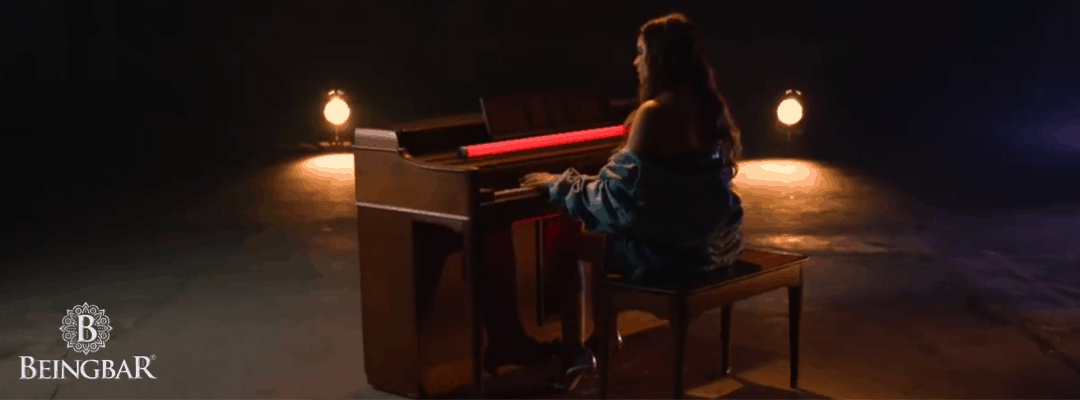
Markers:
<point>538,179</point>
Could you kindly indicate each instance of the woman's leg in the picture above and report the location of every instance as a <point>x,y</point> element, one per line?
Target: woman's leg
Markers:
<point>564,241</point>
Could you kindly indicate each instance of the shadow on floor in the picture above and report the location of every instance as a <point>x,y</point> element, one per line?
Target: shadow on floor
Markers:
<point>643,371</point>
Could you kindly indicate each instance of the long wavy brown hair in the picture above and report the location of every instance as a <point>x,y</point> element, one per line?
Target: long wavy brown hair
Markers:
<point>674,58</point>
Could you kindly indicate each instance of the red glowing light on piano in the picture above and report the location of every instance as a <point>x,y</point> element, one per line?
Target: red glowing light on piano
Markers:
<point>539,142</point>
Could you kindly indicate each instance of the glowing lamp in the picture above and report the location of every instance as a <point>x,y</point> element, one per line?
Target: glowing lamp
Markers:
<point>336,111</point>
<point>540,142</point>
<point>789,112</point>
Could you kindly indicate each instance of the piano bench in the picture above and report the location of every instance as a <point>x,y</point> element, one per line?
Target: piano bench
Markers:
<point>757,271</point>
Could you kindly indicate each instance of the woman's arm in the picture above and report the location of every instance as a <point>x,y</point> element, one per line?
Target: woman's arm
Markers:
<point>601,202</point>
<point>606,201</point>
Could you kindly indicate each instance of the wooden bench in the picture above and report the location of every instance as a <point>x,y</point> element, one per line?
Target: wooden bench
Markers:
<point>757,271</point>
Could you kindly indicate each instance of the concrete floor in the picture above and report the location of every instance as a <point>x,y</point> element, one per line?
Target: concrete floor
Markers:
<point>255,294</point>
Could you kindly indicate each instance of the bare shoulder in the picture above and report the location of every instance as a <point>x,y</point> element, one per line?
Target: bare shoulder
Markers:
<point>649,110</point>
<point>649,119</point>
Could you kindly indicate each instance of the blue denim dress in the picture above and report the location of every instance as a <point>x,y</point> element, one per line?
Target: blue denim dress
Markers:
<point>663,220</point>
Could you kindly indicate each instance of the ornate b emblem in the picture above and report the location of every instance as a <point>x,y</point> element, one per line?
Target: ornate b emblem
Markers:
<point>86,328</point>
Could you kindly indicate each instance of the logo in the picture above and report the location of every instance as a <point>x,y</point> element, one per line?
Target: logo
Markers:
<point>86,329</point>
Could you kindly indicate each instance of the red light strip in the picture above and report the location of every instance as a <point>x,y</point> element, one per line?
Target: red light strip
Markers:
<point>539,142</point>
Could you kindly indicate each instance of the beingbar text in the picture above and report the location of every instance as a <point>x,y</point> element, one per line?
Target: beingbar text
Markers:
<point>98,369</point>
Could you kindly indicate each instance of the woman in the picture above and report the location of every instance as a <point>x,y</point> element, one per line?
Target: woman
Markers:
<point>664,198</point>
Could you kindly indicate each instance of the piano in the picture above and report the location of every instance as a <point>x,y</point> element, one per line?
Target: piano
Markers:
<point>424,212</point>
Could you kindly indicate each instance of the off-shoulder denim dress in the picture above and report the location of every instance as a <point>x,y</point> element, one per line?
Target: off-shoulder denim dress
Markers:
<point>663,219</point>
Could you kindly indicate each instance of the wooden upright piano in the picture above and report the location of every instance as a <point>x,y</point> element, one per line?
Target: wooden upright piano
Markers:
<point>423,211</point>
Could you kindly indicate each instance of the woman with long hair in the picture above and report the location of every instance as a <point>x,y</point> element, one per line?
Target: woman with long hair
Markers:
<point>664,199</point>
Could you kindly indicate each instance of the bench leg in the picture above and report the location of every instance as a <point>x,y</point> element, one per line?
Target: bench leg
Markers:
<point>725,340</point>
<point>794,315</point>
<point>679,327</point>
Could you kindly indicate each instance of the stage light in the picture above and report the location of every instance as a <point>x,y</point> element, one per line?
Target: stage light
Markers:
<point>336,110</point>
<point>789,112</point>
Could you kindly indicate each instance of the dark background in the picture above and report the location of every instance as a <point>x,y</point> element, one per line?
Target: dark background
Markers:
<point>107,102</point>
